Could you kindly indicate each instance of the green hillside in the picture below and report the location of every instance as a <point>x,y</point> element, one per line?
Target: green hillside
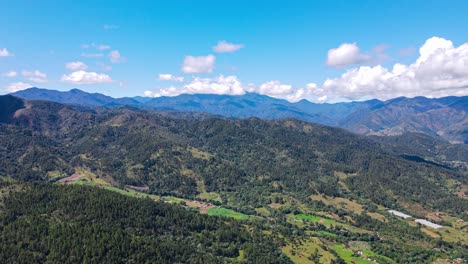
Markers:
<point>305,184</point>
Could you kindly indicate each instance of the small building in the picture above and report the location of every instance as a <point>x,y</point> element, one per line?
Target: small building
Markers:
<point>400,214</point>
<point>427,223</point>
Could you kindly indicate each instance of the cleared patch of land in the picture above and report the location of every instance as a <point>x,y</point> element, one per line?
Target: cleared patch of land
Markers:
<point>308,251</point>
<point>339,202</point>
<point>219,211</point>
<point>69,180</point>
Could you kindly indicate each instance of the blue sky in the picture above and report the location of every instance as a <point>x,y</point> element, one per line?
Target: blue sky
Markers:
<point>279,48</point>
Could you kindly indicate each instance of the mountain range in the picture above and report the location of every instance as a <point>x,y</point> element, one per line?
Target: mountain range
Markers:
<point>297,191</point>
<point>445,118</point>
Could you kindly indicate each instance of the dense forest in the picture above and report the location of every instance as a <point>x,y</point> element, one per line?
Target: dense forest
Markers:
<point>239,157</point>
<point>280,173</point>
<point>74,224</point>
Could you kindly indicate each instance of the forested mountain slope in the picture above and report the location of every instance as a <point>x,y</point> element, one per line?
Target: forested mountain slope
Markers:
<point>322,193</point>
<point>241,158</point>
<point>75,224</point>
<point>444,118</point>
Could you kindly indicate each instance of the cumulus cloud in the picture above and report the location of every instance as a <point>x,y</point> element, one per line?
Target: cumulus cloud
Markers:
<point>170,77</point>
<point>10,74</point>
<point>35,76</point>
<point>286,91</point>
<point>231,85</point>
<point>218,85</point>
<point>5,53</point>
<point>83,77</point>
<point>346,54</point>
<point>224,46</point>
<point>76,65</point>
<point>440,70</point>
<point>115,57</point>
<point>17,86</point>
<point>201,64</point>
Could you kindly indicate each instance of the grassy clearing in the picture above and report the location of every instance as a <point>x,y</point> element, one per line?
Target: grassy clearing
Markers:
<point>133,193</point>
<point>302,218</point>
<point>56,175</point>
<point>304,250</point>
<point>173,199</point>
<point>219,211</point>
<point>349,256</point>
<point>377,216</point>
<point>453,235</point>
<point>323,234</point>
<point>339,202</point>
<point>89,178</point>
<point>210,196</point>
<point>366,256</point>
<point>316,219</point>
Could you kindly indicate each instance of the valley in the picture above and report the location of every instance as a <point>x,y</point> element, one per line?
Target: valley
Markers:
<point>319,193</point>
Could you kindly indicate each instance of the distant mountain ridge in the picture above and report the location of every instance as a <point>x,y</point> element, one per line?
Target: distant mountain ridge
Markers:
<point>445,117</point>
<point>74,96</point>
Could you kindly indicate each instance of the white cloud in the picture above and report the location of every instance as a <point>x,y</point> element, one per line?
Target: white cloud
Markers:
<point>83,77</point>
<point>149,94</point>
<point>35,76</point>
<point>441,70</point>
<point>231,85</point>
<point>17,86</point>
<point>224,46</point>
<point>5,53</point>
<point>76,65</point>
<point>218,85</point>
<point>274,88</point>
<point>115,57</point>
<point>285,91</point>
<point>92,55</point>
<point>201,64</point>
<point>170,77</point>
<point>10,74</point>
<point>346,54</point>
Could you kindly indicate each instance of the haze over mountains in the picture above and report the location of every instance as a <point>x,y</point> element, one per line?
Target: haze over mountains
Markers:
<point>445,118</point>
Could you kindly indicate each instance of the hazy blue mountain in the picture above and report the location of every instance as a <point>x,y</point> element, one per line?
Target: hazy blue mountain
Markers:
<point>74,96</point>
<point>445,118</point>
<point>441,117</point>
<point>243,106</point>
<point>248,105</point>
